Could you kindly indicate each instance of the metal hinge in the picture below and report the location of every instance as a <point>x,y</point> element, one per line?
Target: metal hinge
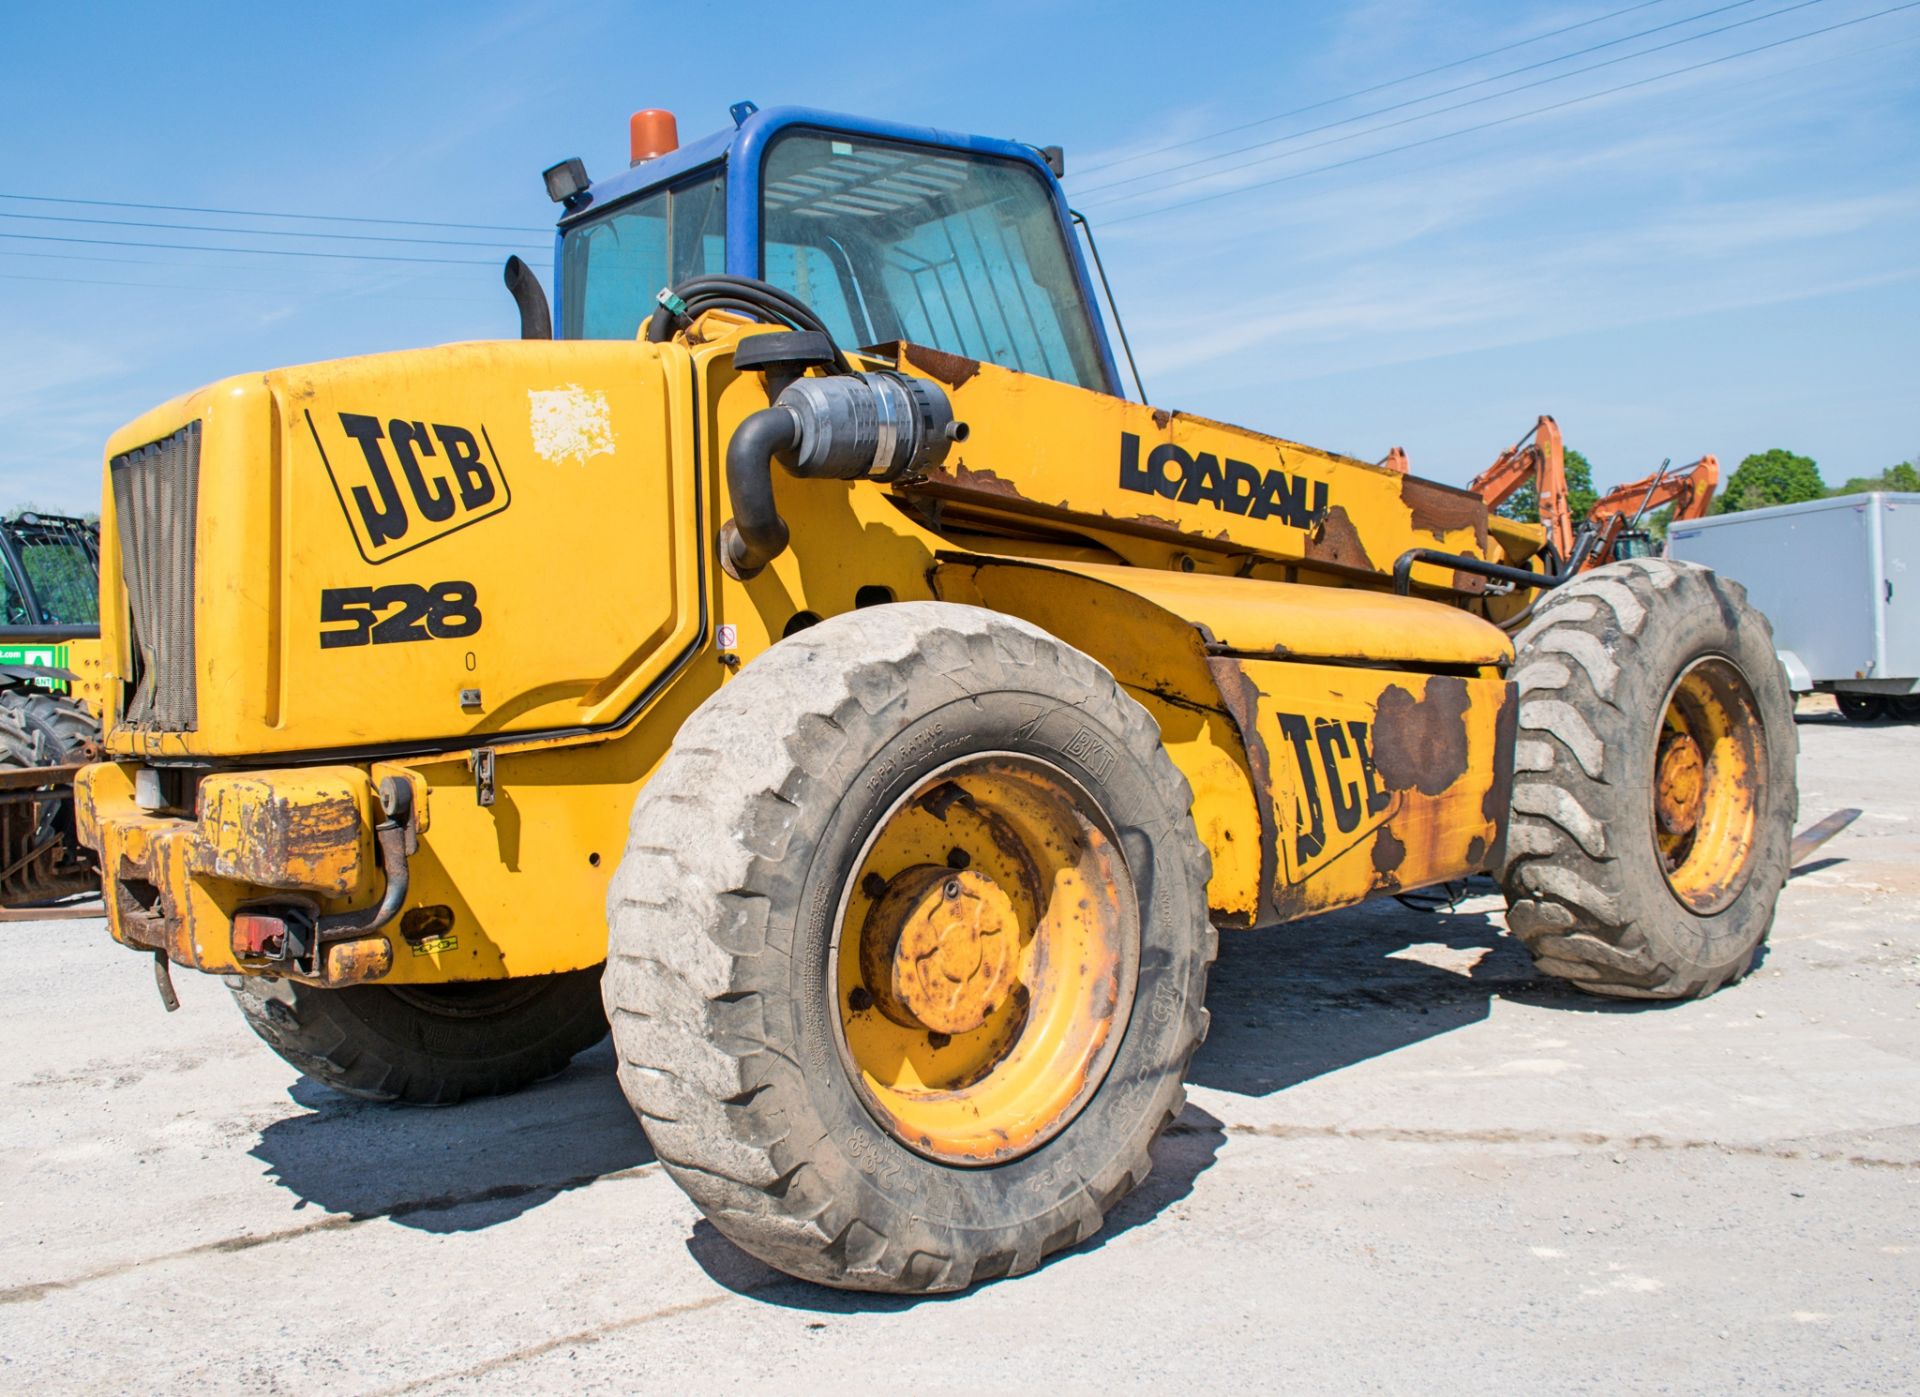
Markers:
<point>482,763</point>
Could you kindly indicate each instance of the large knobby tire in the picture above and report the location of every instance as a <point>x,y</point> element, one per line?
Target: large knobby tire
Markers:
<point>40,859</point>
<point>1618,671</point>
<point>427,1044</point>
<point>726,981</point>
<point>70,732</point>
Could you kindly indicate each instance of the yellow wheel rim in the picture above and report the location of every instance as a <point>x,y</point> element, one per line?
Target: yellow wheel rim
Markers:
<point>985,959</point>
<point>1709,768</point>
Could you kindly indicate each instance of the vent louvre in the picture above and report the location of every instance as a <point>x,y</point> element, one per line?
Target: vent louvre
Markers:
<point>156,490</point>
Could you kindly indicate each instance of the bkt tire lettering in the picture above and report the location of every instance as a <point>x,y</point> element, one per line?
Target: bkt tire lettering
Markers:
<point>404,483</point>
<point>1238,488</point>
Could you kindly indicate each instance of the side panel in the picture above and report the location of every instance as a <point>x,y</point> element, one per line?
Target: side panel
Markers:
<point>1377,781</point>
<point>1810,569</point>
<point>1091,464</point>
<point>1900,583</point>
<point>432,546</point>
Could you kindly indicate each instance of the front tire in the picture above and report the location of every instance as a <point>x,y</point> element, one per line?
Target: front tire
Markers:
<point>972,1086</point>
<point>1654,793</point>
<point>428,1045</point>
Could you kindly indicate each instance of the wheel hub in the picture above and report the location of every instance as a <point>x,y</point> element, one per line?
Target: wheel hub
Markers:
<point>1680,789</point>
<point>939,949</point>
<point>1709,771</point>
<point>986,959</point>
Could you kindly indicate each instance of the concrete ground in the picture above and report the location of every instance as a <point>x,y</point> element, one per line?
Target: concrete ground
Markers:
<point>1408,1163</point>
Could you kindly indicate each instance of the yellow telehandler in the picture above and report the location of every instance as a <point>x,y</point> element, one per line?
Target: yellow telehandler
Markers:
<point>823,673</point>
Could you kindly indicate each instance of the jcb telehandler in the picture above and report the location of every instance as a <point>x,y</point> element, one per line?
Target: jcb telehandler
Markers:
<point>823,665</point>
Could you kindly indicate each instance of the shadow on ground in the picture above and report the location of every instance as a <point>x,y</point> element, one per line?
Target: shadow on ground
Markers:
<point>456,1168</point>
<point>1295,1002</point>
<point>1289,1003</point>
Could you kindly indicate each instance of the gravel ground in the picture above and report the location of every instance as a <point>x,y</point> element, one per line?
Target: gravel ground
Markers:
<point>1408,1163</point>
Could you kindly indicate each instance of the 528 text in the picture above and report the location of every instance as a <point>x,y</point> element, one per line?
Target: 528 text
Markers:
<point>397,612</point>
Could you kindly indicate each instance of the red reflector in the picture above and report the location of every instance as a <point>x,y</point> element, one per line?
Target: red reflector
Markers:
<point>259,934</point>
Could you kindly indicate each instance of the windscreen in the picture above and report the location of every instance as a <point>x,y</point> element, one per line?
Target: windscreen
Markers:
<point>615,264</point>
<point>63,570</point>
<point>888,241</point>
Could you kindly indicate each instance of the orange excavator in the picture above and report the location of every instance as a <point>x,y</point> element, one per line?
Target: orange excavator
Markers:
<point>1613,522</point>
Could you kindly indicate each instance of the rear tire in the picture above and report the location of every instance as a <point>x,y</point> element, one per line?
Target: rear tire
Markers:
<point>1905,708</point>
<point>427,1044</point>
<point>1600,887</point>
<point>739,1042</point>
<point>41,858</point>
<point>1861,708</point>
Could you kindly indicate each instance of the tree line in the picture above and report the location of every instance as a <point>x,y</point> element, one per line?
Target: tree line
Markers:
<point>1777,476</point>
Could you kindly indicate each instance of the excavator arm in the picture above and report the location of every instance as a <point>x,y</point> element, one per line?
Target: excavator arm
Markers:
<point>1689,491</point>
<point>1539,456</point>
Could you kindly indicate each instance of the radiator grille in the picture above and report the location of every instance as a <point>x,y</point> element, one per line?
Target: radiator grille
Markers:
<point>156,492</point>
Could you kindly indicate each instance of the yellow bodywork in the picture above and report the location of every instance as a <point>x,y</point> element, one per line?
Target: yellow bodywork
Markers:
<point>550,509</point>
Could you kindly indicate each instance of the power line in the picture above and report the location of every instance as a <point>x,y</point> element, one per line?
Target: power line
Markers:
<point>1369,91</point>
<point>175,263</point>
<point>200,290</point>
<point>247,232</point>
<point>260,251</point>
<point>1470,102</point>
<point>1444,92</point>
<point>1518,116</point>
<point>266,213</point>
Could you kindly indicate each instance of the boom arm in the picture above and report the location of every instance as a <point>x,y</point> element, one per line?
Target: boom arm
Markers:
<point>1689,491</point>
<point>1539,456</point>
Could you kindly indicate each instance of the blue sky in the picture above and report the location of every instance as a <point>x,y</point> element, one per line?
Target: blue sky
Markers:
<point>1723,260</point>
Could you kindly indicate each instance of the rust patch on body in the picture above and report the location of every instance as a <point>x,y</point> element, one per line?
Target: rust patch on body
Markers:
<point>1389,852</point>
<point>950,369</point>
<point>1241,699</point>
<point>1495,805</point>
<point>1161,417</point>
<point>1421,744</point>
<point>1440,509</point>
<point>1335,540</point>
<point>985,482</point>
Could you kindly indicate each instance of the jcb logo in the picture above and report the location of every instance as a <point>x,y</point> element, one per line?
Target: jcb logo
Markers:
<point>405,483</point>
<point>1237,488</point>
<point>1334,762</point>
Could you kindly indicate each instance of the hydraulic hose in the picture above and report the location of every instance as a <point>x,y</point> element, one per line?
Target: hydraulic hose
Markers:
<point>756,534</point>
<point>681,303</point>
<point>396,800</point>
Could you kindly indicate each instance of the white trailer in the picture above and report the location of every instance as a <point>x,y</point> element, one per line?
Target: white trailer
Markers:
<point>1840,581</point>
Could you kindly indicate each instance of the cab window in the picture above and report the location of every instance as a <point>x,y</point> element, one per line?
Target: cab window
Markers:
<point>962,252</point>
<point>616,263</point>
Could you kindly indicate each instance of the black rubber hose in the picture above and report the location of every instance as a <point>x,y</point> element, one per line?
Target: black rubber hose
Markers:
<point>396,796</point>
<point>793,306</point>
<point>756,534</point>
<point>760,299</point>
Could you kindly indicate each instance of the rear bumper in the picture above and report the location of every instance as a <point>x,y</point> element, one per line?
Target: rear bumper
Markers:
<point>300,840</point>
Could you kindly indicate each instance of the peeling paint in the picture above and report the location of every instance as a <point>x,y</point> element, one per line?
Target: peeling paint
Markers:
<point>950,369</point>
<point>1421,744</point>
<point>570,424</point>
<point>1335,540</point>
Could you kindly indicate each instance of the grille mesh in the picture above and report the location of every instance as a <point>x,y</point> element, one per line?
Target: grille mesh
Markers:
<point>156,491</point>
